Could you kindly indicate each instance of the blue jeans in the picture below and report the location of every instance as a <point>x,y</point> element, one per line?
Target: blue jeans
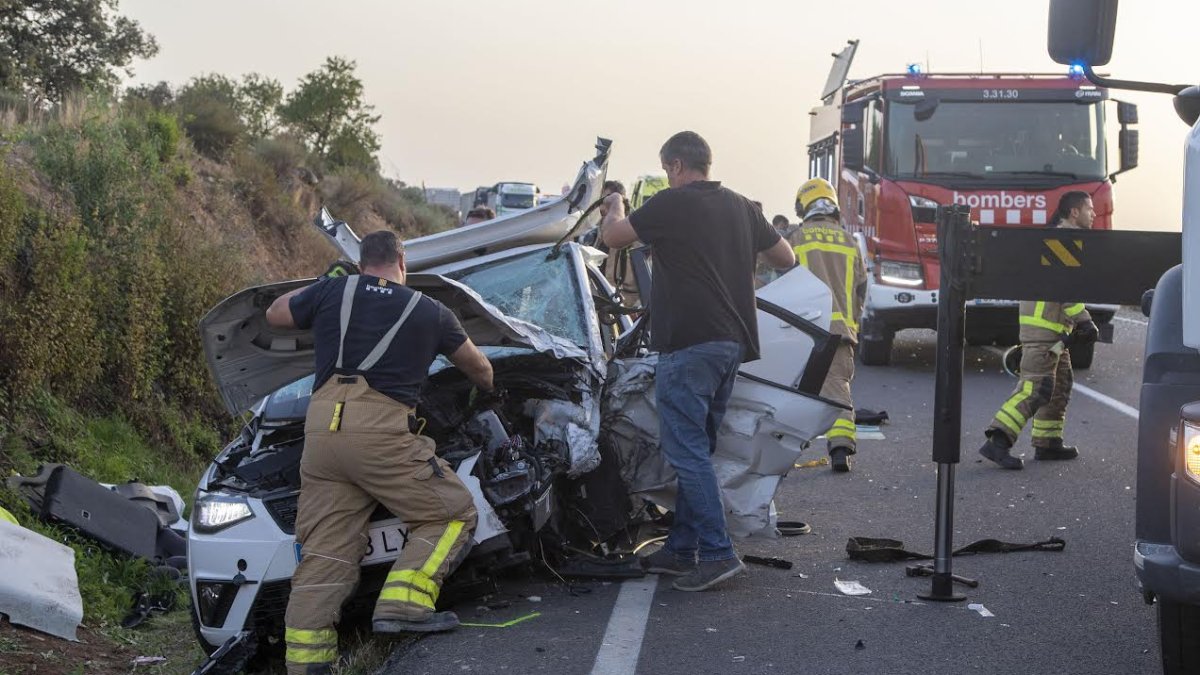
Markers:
<point>692,387</point>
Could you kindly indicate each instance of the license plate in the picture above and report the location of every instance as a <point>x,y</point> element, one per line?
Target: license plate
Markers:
<point>385,540</point>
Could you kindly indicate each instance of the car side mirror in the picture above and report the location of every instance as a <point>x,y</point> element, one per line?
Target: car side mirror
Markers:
<point>1127,113</point>
<point>925,109</point>
<point>1081,31</point>
<point>853,151</point>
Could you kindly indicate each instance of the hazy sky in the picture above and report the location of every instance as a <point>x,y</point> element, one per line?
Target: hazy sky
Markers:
<point>473,91</point>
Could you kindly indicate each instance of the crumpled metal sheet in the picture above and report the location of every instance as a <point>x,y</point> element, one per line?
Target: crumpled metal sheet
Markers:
<point>38,587</point>
<point>575,425</point>
<point>763,434</point>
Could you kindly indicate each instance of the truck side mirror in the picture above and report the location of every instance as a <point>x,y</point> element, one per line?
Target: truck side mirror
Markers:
<point>1127,142</point>
<point>1081,31</point>
<point>853,153</point>
<point>1127,113</point>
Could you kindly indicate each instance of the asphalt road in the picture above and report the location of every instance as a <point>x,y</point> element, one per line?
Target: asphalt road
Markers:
<point>1076,611</point>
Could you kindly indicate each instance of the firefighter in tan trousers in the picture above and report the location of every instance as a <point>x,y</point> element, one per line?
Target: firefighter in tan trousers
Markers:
<point>829,252</point>
<point>374,341</point>
<point>1048,330</point>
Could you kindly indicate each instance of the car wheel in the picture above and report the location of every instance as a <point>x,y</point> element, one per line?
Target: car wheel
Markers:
<point>876,351</point>
<point>1081,356</point>
<point>1179,637</point>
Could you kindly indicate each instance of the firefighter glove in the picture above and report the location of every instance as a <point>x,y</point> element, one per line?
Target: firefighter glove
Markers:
<point>1084,334</point>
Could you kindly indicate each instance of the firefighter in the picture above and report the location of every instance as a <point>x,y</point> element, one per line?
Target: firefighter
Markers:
<point>374,340</point>
<point>828,251</point>
<point>1048,331</point>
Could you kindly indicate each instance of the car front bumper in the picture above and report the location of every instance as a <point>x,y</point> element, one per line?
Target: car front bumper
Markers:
<point>1161,571</point>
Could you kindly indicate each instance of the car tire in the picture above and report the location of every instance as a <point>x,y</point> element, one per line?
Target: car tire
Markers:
<point>1179,637</point>
<point>1082,355</point>
<point>876,351</point>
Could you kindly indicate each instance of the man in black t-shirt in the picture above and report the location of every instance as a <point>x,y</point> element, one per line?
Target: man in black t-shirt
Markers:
<point>705,239</point>
<point>374,340</point>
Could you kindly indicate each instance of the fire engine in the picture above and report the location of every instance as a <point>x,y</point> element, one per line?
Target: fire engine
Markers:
<point>1008,145</point>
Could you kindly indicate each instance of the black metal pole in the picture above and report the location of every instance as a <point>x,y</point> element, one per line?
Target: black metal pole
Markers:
<point>954,224</point>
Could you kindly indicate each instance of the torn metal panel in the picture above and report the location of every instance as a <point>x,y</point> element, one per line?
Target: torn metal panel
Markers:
<point>766,425</point>
<point>575,425</point>
<point>38,588</point>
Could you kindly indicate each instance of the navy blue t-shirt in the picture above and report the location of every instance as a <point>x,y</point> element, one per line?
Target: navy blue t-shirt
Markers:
<point>431,329</point>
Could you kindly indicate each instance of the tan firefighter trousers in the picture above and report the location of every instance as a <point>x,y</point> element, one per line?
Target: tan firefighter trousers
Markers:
<point>1042,395</point>
<point>837,388</point>
<point>358,451</point>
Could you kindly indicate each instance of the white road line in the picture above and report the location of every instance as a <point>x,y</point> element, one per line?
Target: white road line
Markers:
<point>1091,393</point>
<point>1137,321</point>
<point>1106,400</point>
<point>622,643</point>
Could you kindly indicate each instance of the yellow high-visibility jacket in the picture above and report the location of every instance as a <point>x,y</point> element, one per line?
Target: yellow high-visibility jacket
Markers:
<point>1043,321</point>
<point>829,252</point>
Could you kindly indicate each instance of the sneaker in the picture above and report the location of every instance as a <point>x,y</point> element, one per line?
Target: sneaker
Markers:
<point>1056,452</point>
<point>997,449</point>
<point>708,574</point>
<point>663,561</point>
<point>436,623</point>
<point>839,459</point>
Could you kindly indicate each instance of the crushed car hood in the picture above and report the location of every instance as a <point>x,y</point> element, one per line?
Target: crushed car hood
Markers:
<point>249,359</point>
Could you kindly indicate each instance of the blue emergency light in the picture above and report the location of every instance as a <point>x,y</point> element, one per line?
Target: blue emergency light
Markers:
<point>914,69</point>
<point>1075,72</point>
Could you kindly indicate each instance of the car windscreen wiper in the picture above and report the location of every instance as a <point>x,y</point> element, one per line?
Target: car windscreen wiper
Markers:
<point>1040,172</point>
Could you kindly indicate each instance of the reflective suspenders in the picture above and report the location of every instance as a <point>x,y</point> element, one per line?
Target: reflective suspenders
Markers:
<point>833,243</point>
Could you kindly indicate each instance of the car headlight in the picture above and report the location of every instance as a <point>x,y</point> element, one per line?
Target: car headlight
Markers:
<point>1190,444</point>
<point>215,512</point>
<point>919,202</point>
<point>900,273</point>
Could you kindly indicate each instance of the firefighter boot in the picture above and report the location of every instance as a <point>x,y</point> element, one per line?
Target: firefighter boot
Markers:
<point>435,623</point>
<point>839,458</point>
<point>997,449</point>
<point>1055,451</point>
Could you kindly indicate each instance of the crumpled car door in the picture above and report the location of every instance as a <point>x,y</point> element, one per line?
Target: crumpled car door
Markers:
<point>774,413</point>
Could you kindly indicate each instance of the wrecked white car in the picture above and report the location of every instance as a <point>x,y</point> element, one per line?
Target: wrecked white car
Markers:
<point>559,471</point>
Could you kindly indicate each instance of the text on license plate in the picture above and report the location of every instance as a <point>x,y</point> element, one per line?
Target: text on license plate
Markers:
<point>385,540</point>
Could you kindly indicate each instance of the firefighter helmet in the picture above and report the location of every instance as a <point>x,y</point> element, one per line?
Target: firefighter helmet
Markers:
<point>812,190</point>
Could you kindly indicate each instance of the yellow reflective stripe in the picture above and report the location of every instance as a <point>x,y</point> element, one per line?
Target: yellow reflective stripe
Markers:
<point>844,424</point>
<point>1072,310</point>
<point>1039,322</point>
<point>1003,418</point>
<point>323,636</point>
<point>1048,424</point>
<point>336,422</point>
<point>802,250</point>
<point>1010,406</point>
<point>302,655</point>
<point>840,433</point>
<point>434,563</point>
<point>416,579</point>
<point>838,316</point>
<point>841,249</point>
<point>1047,433</point>
<point>406,594</point>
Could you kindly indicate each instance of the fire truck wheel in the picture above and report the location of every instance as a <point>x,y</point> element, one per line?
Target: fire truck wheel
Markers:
<point>875,351</point>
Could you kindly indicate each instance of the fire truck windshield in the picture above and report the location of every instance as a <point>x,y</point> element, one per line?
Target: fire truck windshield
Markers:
<point>996,141</point>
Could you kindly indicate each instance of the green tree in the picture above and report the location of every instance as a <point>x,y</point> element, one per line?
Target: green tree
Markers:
<point>51,47</point>
<point>208,106</point>
<point>258,104</point>
<point>328,106</point>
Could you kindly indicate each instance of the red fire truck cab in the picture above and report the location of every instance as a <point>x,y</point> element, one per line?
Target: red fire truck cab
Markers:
<point>1007,145</point>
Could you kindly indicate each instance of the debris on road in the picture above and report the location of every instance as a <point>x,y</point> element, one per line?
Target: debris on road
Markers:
<point>860,645</point>
<point>792,528</point>
<point>39,588</point>
<point>534,598</point>
<point>148,660</point>
<point>739,659</point>
<point>505,624</point>
<point>851,587</point>
<point>777,563</point>
<point>983,611</point>
<point>812,463</point>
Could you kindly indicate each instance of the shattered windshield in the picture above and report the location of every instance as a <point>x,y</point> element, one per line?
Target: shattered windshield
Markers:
<point>516,201</point>
<point>290,402</point>
<point>989,139</point>
<point>531,288</point>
